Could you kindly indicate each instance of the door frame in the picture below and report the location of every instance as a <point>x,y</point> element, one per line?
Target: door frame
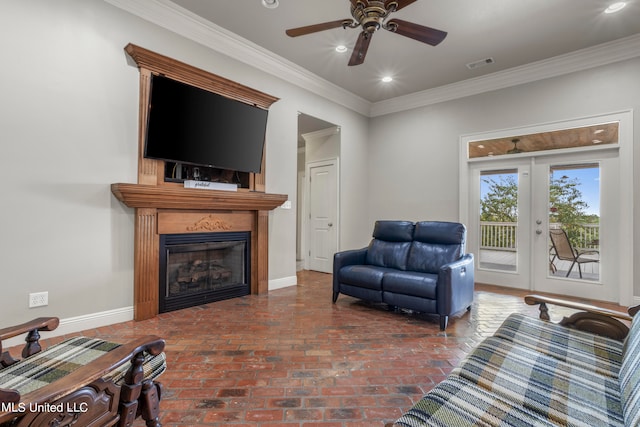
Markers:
<point>625,151</point>
<point>306,223</point>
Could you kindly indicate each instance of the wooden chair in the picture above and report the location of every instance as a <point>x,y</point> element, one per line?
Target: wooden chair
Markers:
<point>564,251</point>
<point>80,381</point>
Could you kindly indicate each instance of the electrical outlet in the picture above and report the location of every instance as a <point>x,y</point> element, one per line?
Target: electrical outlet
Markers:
<point>38,299</point>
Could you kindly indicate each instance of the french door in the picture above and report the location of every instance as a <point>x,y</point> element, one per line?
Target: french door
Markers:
<point>593,237</point>
<point>500,243</point>
<point>515,205</point>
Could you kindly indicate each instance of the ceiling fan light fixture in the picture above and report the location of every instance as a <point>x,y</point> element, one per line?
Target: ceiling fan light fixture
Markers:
<point>515,149</point>
<point>387,79</point>
<point>615,7</point>
<point>270,4</point>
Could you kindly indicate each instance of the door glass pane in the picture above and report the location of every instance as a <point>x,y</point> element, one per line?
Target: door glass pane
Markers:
<point>498,219</point>
<point>574,221</point>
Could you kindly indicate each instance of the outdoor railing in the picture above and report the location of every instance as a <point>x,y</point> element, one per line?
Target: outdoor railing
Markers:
<point>502,235</point>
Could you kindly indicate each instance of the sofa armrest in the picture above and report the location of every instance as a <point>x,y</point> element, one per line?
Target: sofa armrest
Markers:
<point>589,318</point>
<point>350,257</point>
<point>456,285</point>
<point>30,328</point>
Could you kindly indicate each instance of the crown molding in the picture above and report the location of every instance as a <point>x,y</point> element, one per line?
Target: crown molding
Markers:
<point>595,56</point>
<point>172,17</point>
<point>322,133</point>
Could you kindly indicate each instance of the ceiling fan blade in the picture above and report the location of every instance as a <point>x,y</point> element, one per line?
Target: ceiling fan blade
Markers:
<point>301,31</point>
<point>417,32</point>
<point>399,3</point>
<point>360,51</point>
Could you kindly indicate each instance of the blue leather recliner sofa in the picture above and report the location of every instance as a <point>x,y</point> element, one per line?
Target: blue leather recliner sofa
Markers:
<point>418,266</point>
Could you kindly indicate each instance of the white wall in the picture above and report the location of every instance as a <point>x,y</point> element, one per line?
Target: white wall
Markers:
<point>414,154</point>
<point>68,129</point>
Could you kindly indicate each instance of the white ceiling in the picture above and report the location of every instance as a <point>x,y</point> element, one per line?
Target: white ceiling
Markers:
<point>512,32</point>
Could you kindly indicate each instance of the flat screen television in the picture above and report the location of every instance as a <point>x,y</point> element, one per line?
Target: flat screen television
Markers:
<point>190,125</point>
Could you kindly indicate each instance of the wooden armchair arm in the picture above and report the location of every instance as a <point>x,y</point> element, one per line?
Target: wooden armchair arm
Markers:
<point>89,373</point>
<point>590,318</point>
<point>40,324</point>
<point>33,345</point>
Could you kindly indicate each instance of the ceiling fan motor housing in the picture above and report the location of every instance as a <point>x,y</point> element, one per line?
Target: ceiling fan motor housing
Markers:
<point>370,14</point>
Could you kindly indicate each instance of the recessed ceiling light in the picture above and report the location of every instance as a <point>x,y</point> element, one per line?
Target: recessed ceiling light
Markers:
<point>615,7</point>
<point>341,48</point>
<point>270,4</point>
<point>387,79</point>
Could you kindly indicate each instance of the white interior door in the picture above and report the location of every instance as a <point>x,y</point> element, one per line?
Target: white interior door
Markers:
<point>323,214</point>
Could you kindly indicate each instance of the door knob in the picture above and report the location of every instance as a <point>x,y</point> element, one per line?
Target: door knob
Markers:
<point>538,221</point>
<point>330,224</point>
<point>538,231</point>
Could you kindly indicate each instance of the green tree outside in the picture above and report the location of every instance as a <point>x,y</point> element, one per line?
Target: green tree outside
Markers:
<point>566,206</point>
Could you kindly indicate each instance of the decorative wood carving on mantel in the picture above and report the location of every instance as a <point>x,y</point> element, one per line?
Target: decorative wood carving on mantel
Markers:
<point>210,223</point>
<point>169,206</point>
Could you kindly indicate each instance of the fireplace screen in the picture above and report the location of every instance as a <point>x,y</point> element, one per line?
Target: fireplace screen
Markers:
<point>201,268</point>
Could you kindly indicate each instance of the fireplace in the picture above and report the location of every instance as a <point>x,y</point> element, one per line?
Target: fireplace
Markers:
<point>203,267</point>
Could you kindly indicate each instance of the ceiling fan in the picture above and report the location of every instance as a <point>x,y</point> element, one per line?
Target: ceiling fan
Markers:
<point>372,15</point>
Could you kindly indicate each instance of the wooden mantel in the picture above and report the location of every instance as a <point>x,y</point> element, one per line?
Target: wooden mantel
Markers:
<point>165,197</point>
<point>169,208</point>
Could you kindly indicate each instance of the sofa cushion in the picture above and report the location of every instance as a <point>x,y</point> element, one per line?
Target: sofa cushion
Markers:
<point>435,243</point>
<point>562,392</point>
<point>630,376</point>
<point>594,352</point>
<point>61,359</point>
<point>411,283</point>
<point>457,402</point>
<point>364,276</point>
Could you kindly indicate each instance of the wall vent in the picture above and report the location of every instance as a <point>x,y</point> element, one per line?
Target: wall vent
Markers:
<point>480,63</point>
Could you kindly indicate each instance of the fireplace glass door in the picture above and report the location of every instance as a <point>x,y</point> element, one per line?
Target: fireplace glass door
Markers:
<point>201,268</point>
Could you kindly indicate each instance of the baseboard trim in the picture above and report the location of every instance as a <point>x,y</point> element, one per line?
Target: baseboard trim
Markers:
<point>76,324</point>
<point>283,282</point>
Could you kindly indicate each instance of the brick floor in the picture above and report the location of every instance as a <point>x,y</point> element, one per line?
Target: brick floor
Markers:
<point>292,358</point>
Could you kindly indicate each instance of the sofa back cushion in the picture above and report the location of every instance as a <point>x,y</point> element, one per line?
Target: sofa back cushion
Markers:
<point>629,376</point>
<point>390,244</point>
<point>436,243</point>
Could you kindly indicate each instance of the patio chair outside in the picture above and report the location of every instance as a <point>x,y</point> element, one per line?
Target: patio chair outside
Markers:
<point>564,251</point>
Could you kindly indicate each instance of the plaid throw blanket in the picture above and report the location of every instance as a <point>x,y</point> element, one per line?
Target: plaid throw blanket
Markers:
<point>59,360</point>
<point>535,373</point>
